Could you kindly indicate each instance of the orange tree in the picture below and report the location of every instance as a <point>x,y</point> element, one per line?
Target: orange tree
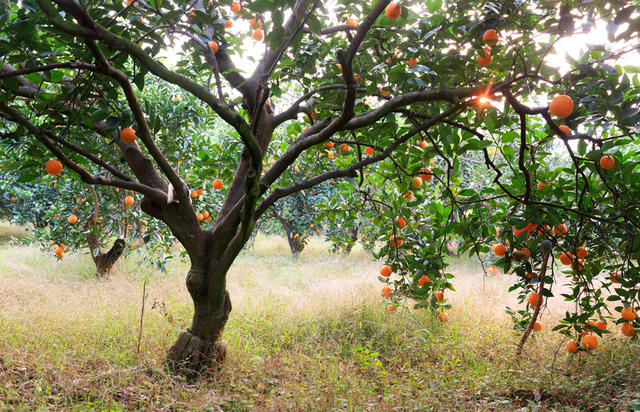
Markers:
<point>371,87</point>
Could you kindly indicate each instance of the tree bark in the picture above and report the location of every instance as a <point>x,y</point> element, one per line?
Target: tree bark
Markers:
<point>354,238</point>
<point>295,244</point>
<point>200,350</point>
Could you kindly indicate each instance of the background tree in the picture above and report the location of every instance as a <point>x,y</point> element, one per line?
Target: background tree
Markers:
<point>73,74</point>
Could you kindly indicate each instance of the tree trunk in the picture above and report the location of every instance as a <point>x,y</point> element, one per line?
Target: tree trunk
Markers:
<point>199,349</point>
<point>295,244</point>
<point>104,261</point>
<point>354,238</point>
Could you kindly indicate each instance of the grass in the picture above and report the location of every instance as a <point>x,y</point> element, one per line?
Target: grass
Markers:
<point>307,333</point>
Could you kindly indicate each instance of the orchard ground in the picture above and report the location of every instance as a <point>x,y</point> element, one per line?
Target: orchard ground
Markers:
<point>307,333</point>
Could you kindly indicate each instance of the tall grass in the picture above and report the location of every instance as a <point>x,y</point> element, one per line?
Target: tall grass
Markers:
<point>305,333</point>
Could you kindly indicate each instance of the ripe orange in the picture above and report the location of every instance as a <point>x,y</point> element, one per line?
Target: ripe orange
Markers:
<point>58,250</point>
<point>386,292</point>
<point>199,192</point>
<point>401,221</point>
<point>561,106</point>
<point>438,296</point>
<point>565,129</point>
<point>523,254</point>
<point>572,347</point>
<point>344,148</point>
<point>499,249</point>
<point>607,162</point>
<point>425,174</point>
<point>442,317</point>
<point>129,201</point>
<point>422,143</point>
<point>589,342</point>
<point>391,308</point>
<point>351,22</point>
<point>628,313</point>
<point>128,135</point>
<point>258,35</point>
<point>540,185</point>
<point>369,151</point>
<point>393,11</point>
<point>408,195</point>
<point>486,60</point>
<point>236,7</point>
<point>412,62</point>
<point>533,299</point>
<point>601,325</point>
<point>395,241</point>
<point>518,232</point>
<point>490,37</point>
<point>72,219</point>
<point>217,184</point>
<point>255,23</point>
<point>194,194</point>
<point>228,24</point>
<point>560,230</point>
<point>386,271</point>
<point>384,92</point>
<point>537,327</point>
<point>627,329</point>
<point>213,46</point>
<point>416,182</point>
<point>423,279</point>
<point>330,145</point>
<point>566,258</point>
<point>581,253</point>
<point>53,167</point>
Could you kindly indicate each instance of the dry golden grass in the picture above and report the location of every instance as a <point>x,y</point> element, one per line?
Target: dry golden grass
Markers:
<point>306,333</point>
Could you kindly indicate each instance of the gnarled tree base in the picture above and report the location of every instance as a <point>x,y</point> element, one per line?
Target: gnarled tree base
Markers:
<point>192,356</point>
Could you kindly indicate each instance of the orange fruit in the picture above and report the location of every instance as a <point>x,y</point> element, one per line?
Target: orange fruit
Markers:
<point>416,182</point>
<point>199,192</point>
<point>486,60</point>
<point>566,258</point>
<point>589,342</point>
<point>385,271</point>
<point>537,327</point>
<point>258,35</point>
<point>236,7</point>
<point>518,232</point>
<point>601,325</point>
<point>499,249</point>
<point>128,135</point>
<point>423,279</point>
<point>490,37</point>
<point>72,219</point>
<point>560,230</point>
<point>199,216</point>
<point>540,185</point>
<point>607,162</point>
<point>330,145</point>
<point>533,299</point>
<point>581,253</point>
<point>228,24</point>
<point>217,184</point>
<point>442,317</point>
<point>393,11</point>
<point>561,106</point>
<point>58,250</point>
<point>384,92</point>
<point>213,46</point>
<point>572,347</point>
<point>438,296</point>
<point>369,151</point>
<point>565,129</point>
<point>401,221</point>
<point>412,62</point>
<point>194,194</point>
<point>395,241</point>
<point>351,22</point>
<point>422,143</point>
<point>524,254</point>
<point>255,23</point>
<point>628,313</point>
<point>425,174</point>
<point>391,308</point>
<point>385,292</point>
<point>614,278</point>
<point>408,195</point>
<point>344,148</point>
<point>53,167</point>
<point>129,201</point>
<point>627,329</point>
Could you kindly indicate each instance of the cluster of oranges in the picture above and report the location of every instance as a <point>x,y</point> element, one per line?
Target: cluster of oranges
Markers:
<point>490,38</point>
<point>204,217</point>
<point>58,249</point>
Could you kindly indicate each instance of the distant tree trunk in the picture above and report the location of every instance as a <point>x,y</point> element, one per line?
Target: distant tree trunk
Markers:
<point>354,238</point>
<point>295,243</point>
<point>104,262</point>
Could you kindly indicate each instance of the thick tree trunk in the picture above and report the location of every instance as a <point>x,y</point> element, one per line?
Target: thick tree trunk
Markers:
<point>199,350</point>
<point>295,243</point>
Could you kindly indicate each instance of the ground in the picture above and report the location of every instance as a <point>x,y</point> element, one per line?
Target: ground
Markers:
<point>307,333</point>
